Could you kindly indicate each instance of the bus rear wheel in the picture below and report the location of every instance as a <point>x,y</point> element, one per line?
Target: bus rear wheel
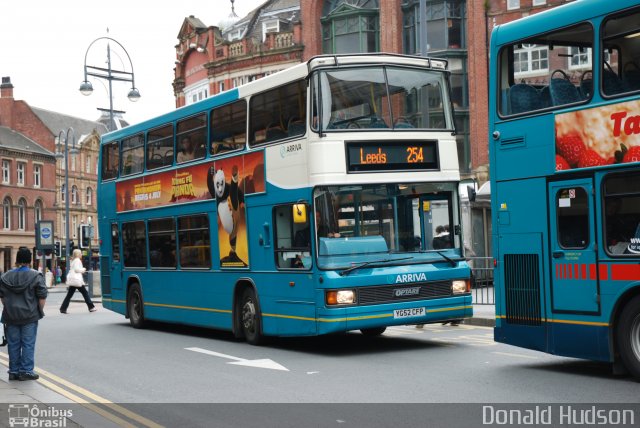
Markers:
<point>135,307</point>
<point>250,318</point>
<point>372,332</point>
<point>628,337</point>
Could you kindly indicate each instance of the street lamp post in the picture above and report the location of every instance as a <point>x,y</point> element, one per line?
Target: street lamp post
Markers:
<point>86,88</point>
<point>69,133</point>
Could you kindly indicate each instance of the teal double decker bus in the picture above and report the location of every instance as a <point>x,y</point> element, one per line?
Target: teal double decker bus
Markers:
<point>564,138</point>
<point>316,200</point>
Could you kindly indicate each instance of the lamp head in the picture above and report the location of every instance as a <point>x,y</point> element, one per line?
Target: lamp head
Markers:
<point>134,95</point>
<point>86,88</point>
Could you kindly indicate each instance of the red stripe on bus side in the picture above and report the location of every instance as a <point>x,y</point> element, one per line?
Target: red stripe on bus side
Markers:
<point>604,273</point>
<point>592,272</point>
<point>584,271</point>
<point>625,272</point>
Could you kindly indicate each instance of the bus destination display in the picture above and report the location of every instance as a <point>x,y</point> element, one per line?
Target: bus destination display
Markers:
<point>392,156</point>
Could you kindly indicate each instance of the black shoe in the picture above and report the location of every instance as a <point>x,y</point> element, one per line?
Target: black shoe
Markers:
<point>13,376</point>
<point>63,312</point>
<point>28,376</point>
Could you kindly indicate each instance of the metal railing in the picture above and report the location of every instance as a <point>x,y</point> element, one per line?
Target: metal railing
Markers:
<point>482,284</point>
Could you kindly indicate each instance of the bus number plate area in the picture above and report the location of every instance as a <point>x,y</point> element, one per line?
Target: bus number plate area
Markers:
<point>392,156</point>
<point>409,313</point>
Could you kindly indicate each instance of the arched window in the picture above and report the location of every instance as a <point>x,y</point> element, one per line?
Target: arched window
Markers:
<point>37,211</point>
<point>22,214</point>
<point>89,196</point>
<point>6,213</point>
<point>350,26</point>
<point>74,195</point>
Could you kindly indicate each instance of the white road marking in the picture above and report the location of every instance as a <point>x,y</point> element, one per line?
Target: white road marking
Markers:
<point>508,354</point>
<point>264,363</point>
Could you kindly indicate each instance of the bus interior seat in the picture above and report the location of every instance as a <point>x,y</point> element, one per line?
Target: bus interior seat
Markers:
<point>611,83</point>
<point>295,127</point>
<point>168,157</point>
<point>377,122</point>
<point>402,123</point>
<point>274,132</point>
<point>586,84</point>
<point>631,79</point>
<point>562,90</point>
<point>545,96</point>
<point>524,98</point>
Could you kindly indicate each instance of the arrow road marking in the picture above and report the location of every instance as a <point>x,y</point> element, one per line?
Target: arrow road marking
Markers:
<point>264,363</point>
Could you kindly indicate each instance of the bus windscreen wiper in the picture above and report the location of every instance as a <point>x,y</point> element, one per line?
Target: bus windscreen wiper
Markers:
<point>361,265</point>
<point>449,259</point>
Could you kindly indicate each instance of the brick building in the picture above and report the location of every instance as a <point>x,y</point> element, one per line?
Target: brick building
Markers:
<point>32,179</point>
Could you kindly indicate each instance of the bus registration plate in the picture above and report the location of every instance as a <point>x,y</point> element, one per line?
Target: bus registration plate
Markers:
<point>409,313</point>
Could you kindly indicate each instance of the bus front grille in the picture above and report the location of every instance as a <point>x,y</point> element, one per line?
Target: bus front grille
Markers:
<point>400,293</point>
<point>522,289</point>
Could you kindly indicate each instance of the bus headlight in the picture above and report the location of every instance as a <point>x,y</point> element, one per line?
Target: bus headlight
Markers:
<point>341,297</point>
<point>460,287</point>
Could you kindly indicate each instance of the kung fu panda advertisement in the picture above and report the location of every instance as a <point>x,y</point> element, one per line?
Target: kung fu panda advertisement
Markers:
<point>227,181</point>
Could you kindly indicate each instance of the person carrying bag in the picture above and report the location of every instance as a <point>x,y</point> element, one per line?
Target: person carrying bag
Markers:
<point>75,281</point>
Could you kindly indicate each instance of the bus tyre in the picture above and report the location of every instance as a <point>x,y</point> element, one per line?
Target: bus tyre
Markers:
<point>250,319</point>
<point>372,332</point>
<point>628,337</point>
<point>135,307</point>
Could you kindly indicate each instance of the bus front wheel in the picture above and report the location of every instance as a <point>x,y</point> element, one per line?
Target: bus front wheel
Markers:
<point>250,318</point>
<point>628,337</point>
<point>135,307</point>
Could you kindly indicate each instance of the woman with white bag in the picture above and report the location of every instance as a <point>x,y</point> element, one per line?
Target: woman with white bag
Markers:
<point>76,282</point>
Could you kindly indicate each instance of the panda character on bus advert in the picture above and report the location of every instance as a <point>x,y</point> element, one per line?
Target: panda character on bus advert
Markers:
<point>230,203</point>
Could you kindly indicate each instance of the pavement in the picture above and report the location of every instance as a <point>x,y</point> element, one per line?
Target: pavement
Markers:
<point>35,393</point>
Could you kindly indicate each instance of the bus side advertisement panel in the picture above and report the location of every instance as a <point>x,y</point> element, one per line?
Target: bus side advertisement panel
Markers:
<point>598,136</point>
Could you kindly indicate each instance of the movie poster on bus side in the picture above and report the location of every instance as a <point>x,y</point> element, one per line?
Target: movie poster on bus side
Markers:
<point>598,136</point>
<point>230,181</point>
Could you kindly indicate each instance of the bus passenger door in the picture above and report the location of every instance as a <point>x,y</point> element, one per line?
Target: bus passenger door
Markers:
<point>115,269</point>
<point>574,268</point>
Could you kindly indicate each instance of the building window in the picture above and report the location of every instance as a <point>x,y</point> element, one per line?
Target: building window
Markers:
<point>64,227</point>
<point>513,4</point>
<point>6,172</point>
<point>350,26</point>
<point>22,214</point>
<point>6,214</point>
<point>530,59</point>
<point>63,193</point>
<point>89,196</point>
<point>74,195</point>
<point>270,27</point>
<point>445,25</point>
<point>21,166</point>
<point>539,2</point>
<point>87,161</point>
<point>580,58</point>
<point>73,163</point>
<point>37,211</point>
<point>37,175</point>
<point>74,226</point>
<point>197,92</point>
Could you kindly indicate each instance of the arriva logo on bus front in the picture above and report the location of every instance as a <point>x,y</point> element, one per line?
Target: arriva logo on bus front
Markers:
<point>410,277</point>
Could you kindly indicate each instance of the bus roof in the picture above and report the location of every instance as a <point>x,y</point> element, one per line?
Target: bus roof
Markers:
<point>298,71</point>
<point>548,20</point>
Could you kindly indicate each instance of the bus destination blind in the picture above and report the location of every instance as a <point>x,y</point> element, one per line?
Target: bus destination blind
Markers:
<point>392,156</point>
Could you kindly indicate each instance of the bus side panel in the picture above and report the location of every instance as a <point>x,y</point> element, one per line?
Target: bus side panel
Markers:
<point>521,298</point>
<point>521,146</point>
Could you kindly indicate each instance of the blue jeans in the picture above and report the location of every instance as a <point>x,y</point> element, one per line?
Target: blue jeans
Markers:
<point>21,342</point>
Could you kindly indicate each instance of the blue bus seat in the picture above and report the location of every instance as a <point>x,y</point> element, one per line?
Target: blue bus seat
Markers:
<point>295,127</point>
<point>274,132</point>
<point>377,122</point>
<point>545,96</point>
<point>631,77</point>
<point>611,83</point>
<point>562,91</point>
<point>356,245</point>
<point>524,98</point>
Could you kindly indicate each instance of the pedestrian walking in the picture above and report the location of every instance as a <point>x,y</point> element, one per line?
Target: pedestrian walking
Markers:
<point>23,293</point>
<point>75,281</point>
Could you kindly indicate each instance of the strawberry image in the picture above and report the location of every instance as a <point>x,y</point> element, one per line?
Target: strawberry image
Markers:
<point>591,158</point>
<point>562,164</point>
<point>632,154</point>
<point>570,147</point>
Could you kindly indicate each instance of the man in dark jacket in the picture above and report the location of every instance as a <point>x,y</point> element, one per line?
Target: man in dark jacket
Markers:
<point>23,292</point>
